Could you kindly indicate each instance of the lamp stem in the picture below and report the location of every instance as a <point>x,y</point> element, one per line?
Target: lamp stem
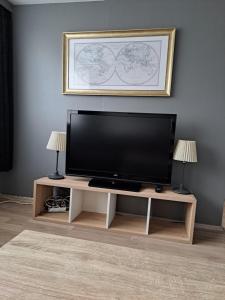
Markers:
<point>57,162</point>
<point>183,173</point>
<point>56,175</point>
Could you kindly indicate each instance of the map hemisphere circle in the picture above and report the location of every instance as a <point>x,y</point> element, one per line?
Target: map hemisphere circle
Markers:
<point>95,64</point>
<point>137,63</point>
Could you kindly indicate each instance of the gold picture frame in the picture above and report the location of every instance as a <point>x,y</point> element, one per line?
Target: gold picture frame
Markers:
<point>118,63</point>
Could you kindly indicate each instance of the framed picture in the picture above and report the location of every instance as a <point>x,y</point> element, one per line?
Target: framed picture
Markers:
<point>120,63</point>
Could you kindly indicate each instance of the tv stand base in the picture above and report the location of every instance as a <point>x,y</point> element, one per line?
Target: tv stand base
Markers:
<point>115,184</point>
<point>97,208</point>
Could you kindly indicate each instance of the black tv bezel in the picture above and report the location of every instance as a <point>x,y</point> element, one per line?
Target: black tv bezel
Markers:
<point>110,175</point>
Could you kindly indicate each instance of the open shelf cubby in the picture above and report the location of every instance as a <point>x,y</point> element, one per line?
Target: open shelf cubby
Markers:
<point>167,219</point>
<point>88,208</point>
<point>42,193</point>
<point>129,223</point>
<point>97,207</point>
<point>126,222</point>
<point>168,229</point>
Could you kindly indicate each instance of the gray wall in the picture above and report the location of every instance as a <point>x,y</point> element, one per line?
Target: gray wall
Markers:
<point>6,4</point>
<point>198,87</point>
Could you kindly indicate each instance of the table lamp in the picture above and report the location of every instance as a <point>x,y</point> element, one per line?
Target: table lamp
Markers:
<point>57,142</point>
<point>185,152</point>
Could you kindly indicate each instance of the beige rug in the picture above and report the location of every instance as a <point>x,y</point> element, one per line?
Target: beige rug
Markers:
<point>43,266</point>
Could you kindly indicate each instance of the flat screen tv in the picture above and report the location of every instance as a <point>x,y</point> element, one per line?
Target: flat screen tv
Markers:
<point>120,149</point>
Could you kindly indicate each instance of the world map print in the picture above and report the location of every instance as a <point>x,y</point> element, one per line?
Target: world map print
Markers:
<point>132,63</point>
<point>137,59</point>
<point>95,64</point>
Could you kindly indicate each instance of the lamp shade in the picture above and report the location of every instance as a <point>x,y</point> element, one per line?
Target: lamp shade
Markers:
<point>185,151</point>
<point>57,141</point>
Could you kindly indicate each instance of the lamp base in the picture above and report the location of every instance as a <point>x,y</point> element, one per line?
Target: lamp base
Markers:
<point>56,176</point>
<point>181,190</point>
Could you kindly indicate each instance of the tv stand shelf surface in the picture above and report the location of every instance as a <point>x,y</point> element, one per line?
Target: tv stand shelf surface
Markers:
<point>96,207</point>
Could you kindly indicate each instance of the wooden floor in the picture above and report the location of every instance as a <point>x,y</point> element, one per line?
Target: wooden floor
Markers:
<point>203,262</point>
<point>36,265</point>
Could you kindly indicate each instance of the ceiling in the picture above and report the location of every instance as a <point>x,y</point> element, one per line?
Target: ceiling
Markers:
<point>25,2</point>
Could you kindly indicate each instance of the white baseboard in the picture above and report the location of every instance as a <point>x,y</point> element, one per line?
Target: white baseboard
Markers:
<point>15,198</point>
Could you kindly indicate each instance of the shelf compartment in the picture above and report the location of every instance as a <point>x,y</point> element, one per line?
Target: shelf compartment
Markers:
<point>129,223</point>
<point>62,217</point>
<point>126,222</point>
<point>41,194</point>
<point>91,219</point>
<point>168,229</point>
<point>88,208</point>
<point>162,222</point>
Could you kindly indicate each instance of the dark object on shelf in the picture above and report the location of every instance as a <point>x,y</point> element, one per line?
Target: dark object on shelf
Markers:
<point>159,188</point>
<point>115,184</point>
<point>60,200</point>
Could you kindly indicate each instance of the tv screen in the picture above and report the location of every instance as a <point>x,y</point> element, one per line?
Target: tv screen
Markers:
<point>124,146</point>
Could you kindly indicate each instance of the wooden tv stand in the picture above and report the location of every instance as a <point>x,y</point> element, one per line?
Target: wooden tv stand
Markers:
<point>96,207</point>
